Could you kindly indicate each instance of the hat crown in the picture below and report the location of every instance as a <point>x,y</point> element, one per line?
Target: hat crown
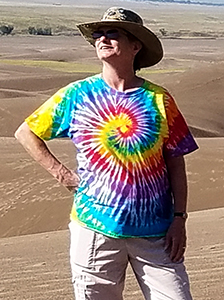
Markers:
<point>121,14</point>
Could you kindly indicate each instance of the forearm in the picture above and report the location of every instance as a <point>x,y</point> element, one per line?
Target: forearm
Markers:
<point>178,180</point>
<point>39,151</point>
<point>176,235</point>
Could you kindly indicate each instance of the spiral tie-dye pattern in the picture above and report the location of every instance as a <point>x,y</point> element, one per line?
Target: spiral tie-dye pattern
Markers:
<point>120,138</point>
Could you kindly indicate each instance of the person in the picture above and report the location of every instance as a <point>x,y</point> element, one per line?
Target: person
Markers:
<point>130,189</point>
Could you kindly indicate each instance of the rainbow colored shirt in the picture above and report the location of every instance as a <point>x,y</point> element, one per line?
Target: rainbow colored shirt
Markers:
<point>121,138</point>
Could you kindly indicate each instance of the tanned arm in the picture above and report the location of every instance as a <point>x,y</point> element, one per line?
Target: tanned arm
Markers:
<point>176,235</point>
<point>39,151</point>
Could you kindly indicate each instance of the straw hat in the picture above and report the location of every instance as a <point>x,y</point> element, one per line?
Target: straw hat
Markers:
<point>151,52</point>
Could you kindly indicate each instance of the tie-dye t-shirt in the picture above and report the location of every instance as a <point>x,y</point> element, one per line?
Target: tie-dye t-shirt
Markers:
<point>121,138</point>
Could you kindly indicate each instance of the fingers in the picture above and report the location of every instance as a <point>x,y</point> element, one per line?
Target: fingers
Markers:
<point>175,242</point>
<point>175,248</point>
<point>72,189</point>
<point>177,252</point>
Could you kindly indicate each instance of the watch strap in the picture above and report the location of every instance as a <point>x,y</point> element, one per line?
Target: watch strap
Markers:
<point>183,215</point>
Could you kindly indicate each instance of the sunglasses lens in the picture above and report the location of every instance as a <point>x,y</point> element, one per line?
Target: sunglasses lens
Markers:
<point>110,34</point>
<point>97,34</point>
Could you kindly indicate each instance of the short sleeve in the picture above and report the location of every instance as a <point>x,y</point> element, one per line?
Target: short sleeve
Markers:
<point>180,140</point>
<point>53,118</point>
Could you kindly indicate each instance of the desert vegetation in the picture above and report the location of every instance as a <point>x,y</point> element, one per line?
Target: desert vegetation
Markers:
<point>40,31</point>
<point>62,20</point>
<point>6,29</point>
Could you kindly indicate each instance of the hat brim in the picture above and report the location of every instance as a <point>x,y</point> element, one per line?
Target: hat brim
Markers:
<point>152,51</point>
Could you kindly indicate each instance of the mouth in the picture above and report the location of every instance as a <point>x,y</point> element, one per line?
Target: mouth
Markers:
<point>105,47</point>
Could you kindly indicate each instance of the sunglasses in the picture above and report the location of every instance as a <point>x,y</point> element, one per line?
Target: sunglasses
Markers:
<point>112,34</point>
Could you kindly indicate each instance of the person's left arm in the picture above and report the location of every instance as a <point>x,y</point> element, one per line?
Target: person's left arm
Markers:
<point>179,141</point>
<point>176,235</point>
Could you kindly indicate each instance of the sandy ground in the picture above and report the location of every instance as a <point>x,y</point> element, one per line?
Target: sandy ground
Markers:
<point>37,266</point>
<point>34,208</point>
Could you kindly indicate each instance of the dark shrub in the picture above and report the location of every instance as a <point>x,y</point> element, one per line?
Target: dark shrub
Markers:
<point>32,30</point>
<point>40,31</point>
<point>6,29</point>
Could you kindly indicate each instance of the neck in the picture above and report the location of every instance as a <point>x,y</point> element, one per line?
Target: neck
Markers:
<point>121,80</point>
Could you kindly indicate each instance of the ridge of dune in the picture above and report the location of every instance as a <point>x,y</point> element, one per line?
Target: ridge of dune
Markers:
<point>199,94</point>
<point>198,99</point>
<point>198,88</point>
<point>203,132</point>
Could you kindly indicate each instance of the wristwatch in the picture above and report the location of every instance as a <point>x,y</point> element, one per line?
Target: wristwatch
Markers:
<point>183,215</point>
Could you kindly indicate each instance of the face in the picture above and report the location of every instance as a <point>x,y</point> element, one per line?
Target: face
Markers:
<point>113,45</point>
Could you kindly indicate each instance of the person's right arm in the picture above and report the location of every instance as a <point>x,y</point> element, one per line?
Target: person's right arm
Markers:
<point>39,151</point>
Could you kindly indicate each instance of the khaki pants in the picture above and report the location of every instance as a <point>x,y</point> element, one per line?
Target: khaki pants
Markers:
<point>99,264</point>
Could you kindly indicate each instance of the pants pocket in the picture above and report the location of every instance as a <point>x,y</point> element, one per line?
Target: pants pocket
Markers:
<point>82,245</point>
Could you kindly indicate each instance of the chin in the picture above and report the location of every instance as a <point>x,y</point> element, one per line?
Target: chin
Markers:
<point>105,56</point>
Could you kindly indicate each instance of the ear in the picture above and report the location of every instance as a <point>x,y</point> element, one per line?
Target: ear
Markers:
<point>137,46</point>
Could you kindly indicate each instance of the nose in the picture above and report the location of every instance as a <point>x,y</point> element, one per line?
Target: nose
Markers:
<point>102,38</point>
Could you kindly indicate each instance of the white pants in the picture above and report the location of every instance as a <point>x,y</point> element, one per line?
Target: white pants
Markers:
<point>99,264</point>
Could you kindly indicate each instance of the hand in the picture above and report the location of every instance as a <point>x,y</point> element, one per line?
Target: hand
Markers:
<point>72,182</point>
<point>68,178</point>
<point>175,241</point>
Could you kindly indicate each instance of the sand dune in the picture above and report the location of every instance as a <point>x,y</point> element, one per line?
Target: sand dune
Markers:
<point>34,208</point>
<point>196,82</point>
<point>37,266</point>
<point>33,202</point>
<point>201,99</point>
<point>205,254</point>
